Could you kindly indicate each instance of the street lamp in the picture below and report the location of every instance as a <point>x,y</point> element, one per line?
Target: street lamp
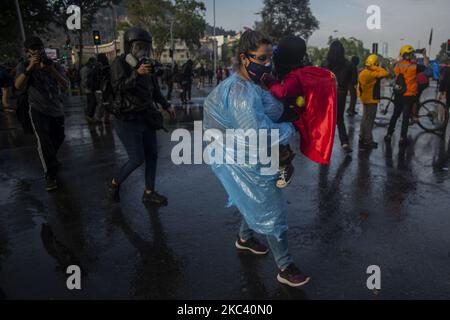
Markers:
<point>214,34</point>
<point>19,16</point>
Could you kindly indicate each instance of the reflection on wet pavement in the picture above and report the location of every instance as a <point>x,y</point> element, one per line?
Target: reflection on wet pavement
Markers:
<point>387,207</point>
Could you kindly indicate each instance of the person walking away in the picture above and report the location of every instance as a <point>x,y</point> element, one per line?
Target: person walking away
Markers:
<point>406,90</point>
<point>42,79</point>
<point>172,80</point>
<point>136,92</point>
<point>219,75</point>
<point>351,111</point>
<point>210,75</point>
<point>369,89</point>
<point>342,68</point>
<point>186,81</point>
<point>89,82</point>
<point>104,77</point>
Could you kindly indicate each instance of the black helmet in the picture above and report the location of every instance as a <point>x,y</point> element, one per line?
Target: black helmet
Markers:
<point>135,34</point>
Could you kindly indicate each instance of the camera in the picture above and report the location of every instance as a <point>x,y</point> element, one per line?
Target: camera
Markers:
<point>156,66</point>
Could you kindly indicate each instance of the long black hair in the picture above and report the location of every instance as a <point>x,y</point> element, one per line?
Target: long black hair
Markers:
<point>336,54</point>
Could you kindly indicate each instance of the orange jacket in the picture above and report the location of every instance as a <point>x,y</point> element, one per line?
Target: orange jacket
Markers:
<point>409,71</point>
<point>369,79</point>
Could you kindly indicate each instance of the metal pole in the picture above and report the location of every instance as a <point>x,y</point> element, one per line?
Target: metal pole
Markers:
<point>172,44</point>
<point>115,27</point>
<point>19,16</point>
<point>214,33</point>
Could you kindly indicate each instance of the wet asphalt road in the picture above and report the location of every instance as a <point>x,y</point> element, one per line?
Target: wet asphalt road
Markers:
<point>388,207</point>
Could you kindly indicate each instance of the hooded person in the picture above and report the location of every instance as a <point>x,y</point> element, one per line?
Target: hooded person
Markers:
<point>311,88</point>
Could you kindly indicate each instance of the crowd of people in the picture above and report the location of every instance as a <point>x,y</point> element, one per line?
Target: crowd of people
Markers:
<point>273,87</point>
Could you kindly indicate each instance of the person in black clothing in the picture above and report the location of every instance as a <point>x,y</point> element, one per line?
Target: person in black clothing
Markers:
<point>210,74</point>
<point>172,79</point>
<point>186,82</point>
<point>343,69</point>
<point>90,86</point>
<point>41,80</point>
<point>351,111</point>
<point>444,87</point>
<point>5,84</point>
<point>103,77</point>
<point>136,91</point>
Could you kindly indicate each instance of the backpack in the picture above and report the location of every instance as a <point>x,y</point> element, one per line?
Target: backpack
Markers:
<point>400,85</point>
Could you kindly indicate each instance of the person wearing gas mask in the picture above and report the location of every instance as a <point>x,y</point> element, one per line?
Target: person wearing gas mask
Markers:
<point>136,90</point>
<point>406,90</point>
<point>41,79</point>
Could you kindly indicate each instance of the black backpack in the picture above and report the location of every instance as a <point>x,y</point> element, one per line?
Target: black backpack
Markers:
<point>400,85</point>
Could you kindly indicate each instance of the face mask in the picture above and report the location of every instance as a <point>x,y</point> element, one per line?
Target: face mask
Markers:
<point>257,71</point>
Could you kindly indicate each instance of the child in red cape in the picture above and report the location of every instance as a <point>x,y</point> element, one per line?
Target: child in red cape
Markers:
<point>316,120</point>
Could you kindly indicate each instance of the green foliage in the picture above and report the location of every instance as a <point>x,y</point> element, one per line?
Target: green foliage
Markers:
<point>156,16</point>
<point>442,56</point>
<point>287,17</point>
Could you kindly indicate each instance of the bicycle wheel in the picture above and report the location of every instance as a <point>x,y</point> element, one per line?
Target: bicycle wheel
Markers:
<point>384,112</point>
<point>432,115</point>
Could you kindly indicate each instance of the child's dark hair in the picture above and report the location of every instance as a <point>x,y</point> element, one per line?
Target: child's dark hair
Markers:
<point>290,54</point>
<point>251,41</point>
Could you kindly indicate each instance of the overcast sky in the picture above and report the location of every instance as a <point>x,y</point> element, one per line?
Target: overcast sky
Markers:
<point>411,20</point>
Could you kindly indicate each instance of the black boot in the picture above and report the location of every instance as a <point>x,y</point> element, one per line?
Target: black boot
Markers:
<point>112,191</point>
<point>154,198</point>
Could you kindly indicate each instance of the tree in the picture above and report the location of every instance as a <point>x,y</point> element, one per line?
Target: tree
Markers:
<point>442,56</point>
<point>287,17</point>
<point>36,17</point>
<point>156,16</point>
<point>353,47</point>
<point>317,55</point>
<point>89,9</point>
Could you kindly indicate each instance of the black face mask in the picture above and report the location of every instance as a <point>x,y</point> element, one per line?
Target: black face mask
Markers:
<point>257,71</point>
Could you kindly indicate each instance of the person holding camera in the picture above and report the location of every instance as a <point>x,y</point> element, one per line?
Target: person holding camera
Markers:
<point>41,79</point>
<point>136,91</point>
<point>406,90</point>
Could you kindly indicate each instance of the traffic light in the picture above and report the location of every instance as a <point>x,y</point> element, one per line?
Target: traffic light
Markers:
<point>97,38</point>
<point>448,46</point>
<point>171,53</point>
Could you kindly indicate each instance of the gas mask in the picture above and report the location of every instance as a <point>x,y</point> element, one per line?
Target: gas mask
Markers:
<point>140,54</point>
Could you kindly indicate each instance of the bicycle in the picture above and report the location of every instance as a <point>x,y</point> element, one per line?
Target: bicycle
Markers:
<point>432,114</point>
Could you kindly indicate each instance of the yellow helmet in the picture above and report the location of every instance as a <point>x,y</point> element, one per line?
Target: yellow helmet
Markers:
<point>406,49</point>
<point>372,60</point>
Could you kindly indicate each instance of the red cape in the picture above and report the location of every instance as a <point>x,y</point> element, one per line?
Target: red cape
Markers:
<point>317,122</point>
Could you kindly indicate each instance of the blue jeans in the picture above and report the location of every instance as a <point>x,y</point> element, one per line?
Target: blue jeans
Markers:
<point>139,140</point>
<point>280,249</point>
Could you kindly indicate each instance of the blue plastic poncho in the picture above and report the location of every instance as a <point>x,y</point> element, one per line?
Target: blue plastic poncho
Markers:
<point>240,104</point>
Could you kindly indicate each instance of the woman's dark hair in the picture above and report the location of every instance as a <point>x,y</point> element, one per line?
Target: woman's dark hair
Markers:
<point>251,41</point>
<point>336,54</point>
